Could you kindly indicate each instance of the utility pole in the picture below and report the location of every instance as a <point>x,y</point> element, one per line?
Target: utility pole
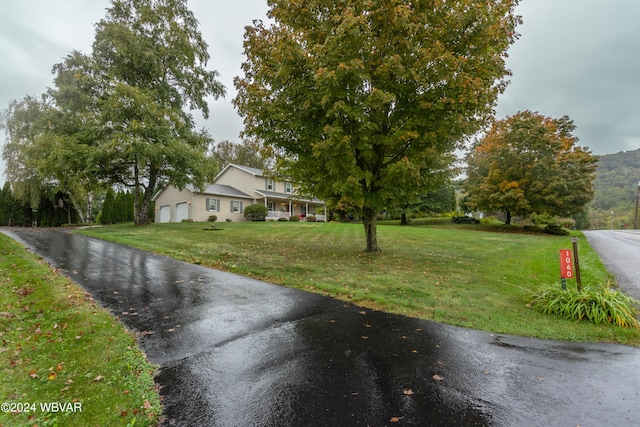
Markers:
<point>611,222</point>
<point>635,221</point>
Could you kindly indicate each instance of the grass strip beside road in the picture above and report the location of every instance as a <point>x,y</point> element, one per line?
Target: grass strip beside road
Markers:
<point>456,274</point>
<point>65,361</point>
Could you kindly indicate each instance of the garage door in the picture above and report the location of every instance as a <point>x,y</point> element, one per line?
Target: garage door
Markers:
<point>182,212</point>
<point>165,213</point>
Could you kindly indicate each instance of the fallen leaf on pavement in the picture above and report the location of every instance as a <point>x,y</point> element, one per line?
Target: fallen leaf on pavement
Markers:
<point>438,377</point>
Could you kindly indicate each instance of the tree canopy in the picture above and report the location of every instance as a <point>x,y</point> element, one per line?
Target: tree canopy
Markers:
<point>365,101</point>
<point>250,152</point>
<point>528,163</point>
<point>118,116</point>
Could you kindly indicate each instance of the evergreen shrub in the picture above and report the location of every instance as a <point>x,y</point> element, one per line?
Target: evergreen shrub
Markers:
<point>465,220</point>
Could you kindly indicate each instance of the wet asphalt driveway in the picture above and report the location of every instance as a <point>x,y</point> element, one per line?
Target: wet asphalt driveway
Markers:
<point>238,352</point>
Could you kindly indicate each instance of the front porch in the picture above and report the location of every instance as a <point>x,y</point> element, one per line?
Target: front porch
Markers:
<point>286,208</point>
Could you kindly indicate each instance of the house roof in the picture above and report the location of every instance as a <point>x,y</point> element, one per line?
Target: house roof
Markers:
<point>252,171</point>
<point>220,190</point>
<point>249,170</point>
<point>284,196</point>
<point>229,191</point>
<point>274,194</point>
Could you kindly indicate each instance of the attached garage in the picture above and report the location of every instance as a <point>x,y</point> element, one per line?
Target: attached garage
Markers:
<point>182,211</point>
<point>165,213</point>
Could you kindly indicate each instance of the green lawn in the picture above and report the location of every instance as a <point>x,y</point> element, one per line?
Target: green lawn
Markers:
<point>58,347</point>
<point>473,276</point>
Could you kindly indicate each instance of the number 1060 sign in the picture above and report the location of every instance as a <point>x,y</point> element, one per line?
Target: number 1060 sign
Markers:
<point>566,264</point>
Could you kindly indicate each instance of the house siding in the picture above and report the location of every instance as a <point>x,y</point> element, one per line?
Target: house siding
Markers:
<point>202,214</point>
<point>234,184</point>
<point>239,179</point>
<point>172,197</point>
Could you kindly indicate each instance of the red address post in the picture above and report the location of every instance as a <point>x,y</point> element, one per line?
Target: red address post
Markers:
<point>566,264</point>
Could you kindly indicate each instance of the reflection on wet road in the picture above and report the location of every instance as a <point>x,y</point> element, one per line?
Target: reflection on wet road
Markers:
<point>239,352</point>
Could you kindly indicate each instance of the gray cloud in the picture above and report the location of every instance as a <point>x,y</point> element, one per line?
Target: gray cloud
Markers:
<point>580,58</point>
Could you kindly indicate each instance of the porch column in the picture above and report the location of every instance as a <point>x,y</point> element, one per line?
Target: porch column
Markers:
<point>290,209</point>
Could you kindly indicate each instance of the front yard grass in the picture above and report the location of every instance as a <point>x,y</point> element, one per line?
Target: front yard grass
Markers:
<point>456,274</point>
<point>65,361</point>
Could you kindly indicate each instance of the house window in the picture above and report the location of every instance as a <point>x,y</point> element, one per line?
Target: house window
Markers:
<point>288,188</point>
<point>271,185</point>
<point>271,206</point>
<point>236,206</point>
<point>213,205</point>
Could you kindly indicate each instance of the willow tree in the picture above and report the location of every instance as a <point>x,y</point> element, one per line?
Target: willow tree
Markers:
<point>366,100</point>
<point>133,95</point>
<point>34,153</point>
<point>529,163</point>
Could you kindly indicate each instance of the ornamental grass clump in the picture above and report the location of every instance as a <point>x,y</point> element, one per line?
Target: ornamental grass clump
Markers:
<point>597,304</point>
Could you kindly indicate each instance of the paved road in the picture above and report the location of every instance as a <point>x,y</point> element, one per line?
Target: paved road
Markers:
<point>620,252</point>
<point>239,352</point>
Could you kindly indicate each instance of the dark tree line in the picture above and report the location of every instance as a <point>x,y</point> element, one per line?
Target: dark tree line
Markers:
<point>52,212</point>
<point>117,207</point>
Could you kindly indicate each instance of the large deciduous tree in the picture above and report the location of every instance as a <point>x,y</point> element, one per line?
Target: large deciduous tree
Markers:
<point>365,100</point>
<point>37,156</point>
<point>250,152</point>
<point>149,64</point>
<point>23,122</point>
<point>528,163</point>
<point>118,117</point>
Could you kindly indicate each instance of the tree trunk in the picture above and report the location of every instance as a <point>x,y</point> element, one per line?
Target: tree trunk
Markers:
<point>508,221</point>
<point>141,210</point>
<point>404,220</point>
<point>78,208</point>
<point>141,204</point>
<point>370,222</point>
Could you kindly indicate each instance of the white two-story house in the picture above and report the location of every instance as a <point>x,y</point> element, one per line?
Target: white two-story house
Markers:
<point>235,188</point>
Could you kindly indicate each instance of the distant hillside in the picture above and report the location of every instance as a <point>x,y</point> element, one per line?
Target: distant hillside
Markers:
<point>616,189</point>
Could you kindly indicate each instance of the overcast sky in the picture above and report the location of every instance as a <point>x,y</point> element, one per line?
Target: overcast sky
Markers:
<point>579,58</point>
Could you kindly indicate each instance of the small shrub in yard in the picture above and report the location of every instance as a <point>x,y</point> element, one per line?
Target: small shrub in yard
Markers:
<point>294,218</point>
<point>212,218</point>
<point>311,218</point>
<point>556,230</point>
<point>465,220</point>
<point>283,219</point>
<point>597,304</point>
<point>256,212</point>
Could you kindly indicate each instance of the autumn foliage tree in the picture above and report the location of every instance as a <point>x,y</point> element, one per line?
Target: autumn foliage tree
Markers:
<point>365,101</point>
<point>528,163</point>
